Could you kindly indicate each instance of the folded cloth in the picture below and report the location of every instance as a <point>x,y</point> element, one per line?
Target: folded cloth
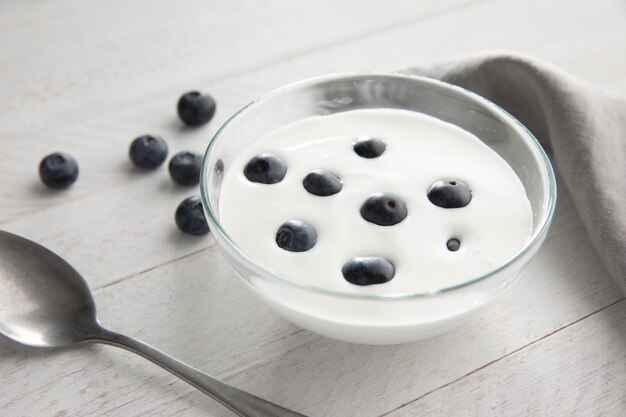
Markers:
<point>582,127</point>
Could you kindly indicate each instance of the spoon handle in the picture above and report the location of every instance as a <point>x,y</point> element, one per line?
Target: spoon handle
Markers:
<point>241,402</point>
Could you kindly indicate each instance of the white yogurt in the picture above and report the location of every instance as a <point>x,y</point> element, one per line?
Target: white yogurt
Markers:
<point>420,151</point>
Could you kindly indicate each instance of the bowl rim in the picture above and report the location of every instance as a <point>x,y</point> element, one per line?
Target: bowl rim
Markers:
<point>534,240</point>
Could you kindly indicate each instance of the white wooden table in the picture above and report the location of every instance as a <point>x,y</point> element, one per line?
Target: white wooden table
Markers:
<point>87,76</point>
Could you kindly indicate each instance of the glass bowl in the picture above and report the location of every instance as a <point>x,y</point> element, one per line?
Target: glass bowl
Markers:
<point>388,318</point>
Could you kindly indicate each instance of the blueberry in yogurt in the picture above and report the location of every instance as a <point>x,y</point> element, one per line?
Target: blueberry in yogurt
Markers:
<point>369,147</point>
<point>355,222</point>
<point>322,183</point>
<point>384,209</point>
<point>58,170</point>
<point>368,270</point>
<point>265,169</point>
<point>453,244</point>
<point>449,194</point>
<point>296,236</point>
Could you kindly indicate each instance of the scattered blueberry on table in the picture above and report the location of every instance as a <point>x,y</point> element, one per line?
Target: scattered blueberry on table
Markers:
<point>58,170</point>
<point>196,109</point>
<point>369,147</point>
<point>185,167</point>
<point>265,169</point>
<point>384,209</point>
<point>296,236</point>
<point>148,151</point>
<point>453,244</point>
<point>449,194</point>
<point>322,183</point>
<point>368,270</point>
<point>190,217</point>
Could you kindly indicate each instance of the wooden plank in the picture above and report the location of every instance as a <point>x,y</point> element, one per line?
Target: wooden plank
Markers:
<point>19,12</point>
<point>197,310</point>
<point>197,301</point>
<point>128,230</point>
<point>580,371</point>
<point>86,60</point>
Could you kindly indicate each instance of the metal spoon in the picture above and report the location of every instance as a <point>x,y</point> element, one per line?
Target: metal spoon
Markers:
<point>44,302</point>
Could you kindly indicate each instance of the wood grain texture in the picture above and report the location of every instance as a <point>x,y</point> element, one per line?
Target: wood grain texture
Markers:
<point>196,301</point>
<point>579,371</point>
<point>121,44</point>
<point>88,76</point>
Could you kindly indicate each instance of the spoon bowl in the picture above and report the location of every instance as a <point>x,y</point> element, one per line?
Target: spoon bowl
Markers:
<point>45,302</point>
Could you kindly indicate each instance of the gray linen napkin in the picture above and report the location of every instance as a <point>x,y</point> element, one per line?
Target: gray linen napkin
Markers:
<point>582,127</point>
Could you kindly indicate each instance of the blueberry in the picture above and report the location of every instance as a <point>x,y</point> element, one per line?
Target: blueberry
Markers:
<point>265,169</point>
<point>185,168</point>
<point>369,147</point>
<point>368,270</point>
<point>196,109</point>
<point>322,183</point>
<point>449,194</point>
<point>384,209</point>
<point>296,236</point>
<point>148,151</point>
<point>190,217</point>
<point>453,244</point>
<point>58,170</point>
